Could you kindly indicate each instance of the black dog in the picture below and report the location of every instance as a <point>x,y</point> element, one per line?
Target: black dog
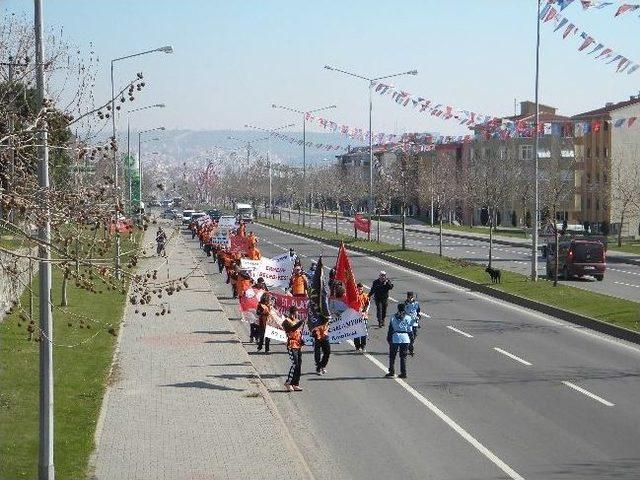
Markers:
<point>494,273</point>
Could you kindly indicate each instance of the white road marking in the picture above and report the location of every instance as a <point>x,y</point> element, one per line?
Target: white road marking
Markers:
<point>627,284</point>
<point>589,394</point>
<point>459,331</point>
<point>486,298</point>
<point>511,355</point>
<point>623,271</point>
<point>450,422</point>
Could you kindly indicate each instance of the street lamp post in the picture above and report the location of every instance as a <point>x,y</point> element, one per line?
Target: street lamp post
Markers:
<point>371,82</point>
<point>269,156</point>
<point>165,49</point>
<point>157,105</point>
<point>536,207</point>
<point>304,149</point>
<point>140,165</point>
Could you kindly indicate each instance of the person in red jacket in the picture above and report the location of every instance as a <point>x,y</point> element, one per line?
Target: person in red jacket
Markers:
<point>293,328</point>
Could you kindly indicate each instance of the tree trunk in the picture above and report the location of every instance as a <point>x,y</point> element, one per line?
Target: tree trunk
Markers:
<point>336,222</point>
<point>556,262</point>
<point>404,225</point>
<point>440,232</point>
<point>491,237</point>
<point>322,220</point>
<point>289,212</point>
<point>298,215</point>
<point>378,227</point>
<point>620,229</point>
<point>64,301</point>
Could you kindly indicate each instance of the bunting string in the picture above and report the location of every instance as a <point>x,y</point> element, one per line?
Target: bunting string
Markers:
<point>622,63</point>
<point>598,5</point>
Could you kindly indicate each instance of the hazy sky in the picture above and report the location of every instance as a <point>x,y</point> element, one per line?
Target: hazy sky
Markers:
<point>234,58</point>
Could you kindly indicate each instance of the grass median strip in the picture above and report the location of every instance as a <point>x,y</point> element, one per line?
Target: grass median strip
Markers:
<point>82,357</point>
<point>623,313</point>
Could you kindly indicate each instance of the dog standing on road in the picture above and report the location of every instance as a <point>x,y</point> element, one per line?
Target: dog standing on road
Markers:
<point>494,273</point>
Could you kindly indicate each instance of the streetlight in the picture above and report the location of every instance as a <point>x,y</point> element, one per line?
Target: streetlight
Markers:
<point>536,206</point>
<point>157,105</point>
<point>269,158</point>
<point>248,143</point>
<point>165,49</point>
<point>304,149</point>
<point>140,164</point>
<point>371,81</point>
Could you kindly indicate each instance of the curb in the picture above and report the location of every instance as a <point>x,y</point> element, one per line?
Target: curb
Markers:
<point>571,317</point>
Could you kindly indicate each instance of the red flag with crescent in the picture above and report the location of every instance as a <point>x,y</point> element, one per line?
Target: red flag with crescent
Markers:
<point>344,273</point>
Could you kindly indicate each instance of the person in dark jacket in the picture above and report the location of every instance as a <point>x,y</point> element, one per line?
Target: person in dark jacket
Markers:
<point>380,293</point>
<point>398,337</point>
<point>292,327</point>
<point>321,347</point>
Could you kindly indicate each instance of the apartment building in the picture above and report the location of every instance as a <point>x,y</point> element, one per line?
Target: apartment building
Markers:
<point>607,142</point>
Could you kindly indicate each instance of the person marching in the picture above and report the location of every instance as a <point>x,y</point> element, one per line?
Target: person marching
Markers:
<point>261,285</point>
<point>412,308</point>
<point>292,327</point>
<point>243,283</point>
<point>312,270</point>
<point>298,285</point>
<point>161,240</point>
<point>361,342</point>
<point>380,293</point>
<point>400,326</point>
<point>253,253</point>
<point>263,310</point>
<point>321,346</point>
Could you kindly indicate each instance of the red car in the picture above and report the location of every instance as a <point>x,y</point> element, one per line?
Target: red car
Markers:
<point>577,258</point>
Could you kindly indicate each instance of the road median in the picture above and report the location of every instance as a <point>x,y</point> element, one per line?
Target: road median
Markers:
<point>616,317</point>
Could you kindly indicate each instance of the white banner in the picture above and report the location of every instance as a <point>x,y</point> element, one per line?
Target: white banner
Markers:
<point>227,223</point>
<point>350,324</point>
<point>221,238</point>
<point>275,272</point>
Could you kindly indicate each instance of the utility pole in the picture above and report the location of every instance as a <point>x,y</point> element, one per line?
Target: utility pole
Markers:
<point>115,176</point>
<point>45,454</point>
<point>536,207</point>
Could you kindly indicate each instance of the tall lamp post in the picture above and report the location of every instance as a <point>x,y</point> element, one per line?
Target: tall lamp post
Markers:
<point>140,165</point>
<point>165,49</point>
<point>304,114</point>
<point>536,207</point>
<point>269,156</point>
<point>371,82</point>
<point>248,144</point>
<point>157,105</point>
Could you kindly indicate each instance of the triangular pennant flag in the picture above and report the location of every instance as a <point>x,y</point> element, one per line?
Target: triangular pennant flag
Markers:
<point>631,121</point>
<point>625,7</point>
<point>606,52</point>
<point>587,41</point>
<point>561,23</point>
<point>570,29</point>
<point>564,3</point>
<point>598,47</point>
<point>633,69</point>
<point>552,13</point>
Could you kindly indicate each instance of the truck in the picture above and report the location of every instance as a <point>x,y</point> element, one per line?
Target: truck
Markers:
<point>244,211</point>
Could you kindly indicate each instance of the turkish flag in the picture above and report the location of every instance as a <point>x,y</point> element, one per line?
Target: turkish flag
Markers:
<point>361,223</point>
<point>344,273</point>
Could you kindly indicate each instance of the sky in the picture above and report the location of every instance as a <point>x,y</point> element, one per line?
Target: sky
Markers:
<point>233,59</point>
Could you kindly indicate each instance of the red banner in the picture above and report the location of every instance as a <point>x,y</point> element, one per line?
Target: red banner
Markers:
<point>361,223</point>
<point>239,244</point>
<point>283,302</point>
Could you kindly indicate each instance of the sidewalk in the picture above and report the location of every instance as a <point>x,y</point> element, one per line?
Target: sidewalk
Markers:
<point>185,402</point>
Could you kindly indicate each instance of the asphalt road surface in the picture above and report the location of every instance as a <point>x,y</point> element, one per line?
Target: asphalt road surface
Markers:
<point>494,391</point>
<point>621,280</point>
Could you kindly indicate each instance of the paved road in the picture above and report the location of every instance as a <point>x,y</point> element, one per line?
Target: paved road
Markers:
<point>494,391</point>
<point>621,280</point>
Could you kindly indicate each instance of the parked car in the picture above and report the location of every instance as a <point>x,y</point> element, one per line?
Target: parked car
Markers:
<point>577,258</point>
<point>215,214</point>
<point>186,216</point>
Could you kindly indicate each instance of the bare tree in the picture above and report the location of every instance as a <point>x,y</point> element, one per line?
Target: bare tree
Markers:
<point>625,190</point>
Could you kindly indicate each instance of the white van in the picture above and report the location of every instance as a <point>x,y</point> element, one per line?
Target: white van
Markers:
<point>244,212</point>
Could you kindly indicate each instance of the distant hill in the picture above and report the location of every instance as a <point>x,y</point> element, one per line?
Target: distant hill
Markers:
<point>181,145</point>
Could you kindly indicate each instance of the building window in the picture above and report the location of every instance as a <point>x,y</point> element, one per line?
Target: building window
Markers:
<point>597,177</point>
<point>526,152</point>
<point>597,204</point>
<point>597,151</point>
<point>606,125</point>
<point>605,179</point>
<point>605,152</point>
<point>588,152</point>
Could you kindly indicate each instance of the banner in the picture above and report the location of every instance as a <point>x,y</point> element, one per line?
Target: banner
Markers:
<point>360,223</point>
<point>282,303</point>
<point>227,222</point>
<point>275,272</point>
<point>344,273</point>
<point>350,324</point>
<point>238,244</point>
<point>248,304</point>
<point>221,239</point>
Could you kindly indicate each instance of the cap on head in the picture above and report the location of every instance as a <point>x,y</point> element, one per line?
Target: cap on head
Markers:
<point>360,285</point>
<point>260,280</point>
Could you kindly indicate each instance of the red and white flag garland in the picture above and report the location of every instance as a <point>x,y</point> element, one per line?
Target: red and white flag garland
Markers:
<point>597,4</point>
<point>622,63</point>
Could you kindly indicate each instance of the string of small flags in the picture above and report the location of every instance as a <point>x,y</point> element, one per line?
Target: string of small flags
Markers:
<point>599,5</point>
<point>549,13</point>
